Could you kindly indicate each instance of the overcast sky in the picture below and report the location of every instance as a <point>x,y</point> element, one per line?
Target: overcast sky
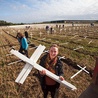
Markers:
<point>30,11</point>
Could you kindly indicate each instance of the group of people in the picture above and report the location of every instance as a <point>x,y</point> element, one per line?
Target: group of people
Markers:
<point>49,29</point>
<point>51,62</point>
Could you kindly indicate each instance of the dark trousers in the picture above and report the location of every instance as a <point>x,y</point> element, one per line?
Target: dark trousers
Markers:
<point>23,51</point>
<point>52,89</point>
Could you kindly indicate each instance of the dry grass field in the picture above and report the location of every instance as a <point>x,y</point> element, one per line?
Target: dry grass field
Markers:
<point>78,44</point>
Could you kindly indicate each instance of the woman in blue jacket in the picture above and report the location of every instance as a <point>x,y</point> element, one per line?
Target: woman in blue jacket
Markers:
<point>23,44</point>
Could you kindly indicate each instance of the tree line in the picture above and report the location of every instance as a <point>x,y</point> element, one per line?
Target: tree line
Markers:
<point>5,23</point>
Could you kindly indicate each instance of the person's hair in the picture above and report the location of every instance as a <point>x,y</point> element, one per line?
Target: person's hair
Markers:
<point>20,34</point>
<point>54,45</point>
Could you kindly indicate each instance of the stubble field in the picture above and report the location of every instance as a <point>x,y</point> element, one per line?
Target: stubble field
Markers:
<point>78,44</point>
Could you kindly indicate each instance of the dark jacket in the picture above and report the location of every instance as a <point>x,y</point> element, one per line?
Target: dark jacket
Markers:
<point>58,69</point>
<point>26,34</point>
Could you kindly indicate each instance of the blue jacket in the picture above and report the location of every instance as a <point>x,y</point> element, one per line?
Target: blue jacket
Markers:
<point>24,43</point>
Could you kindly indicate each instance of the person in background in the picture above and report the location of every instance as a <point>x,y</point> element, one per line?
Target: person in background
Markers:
<point>27,36</point>
<point>51,62</point>
<point>23,44</point>
<point>51,30</point>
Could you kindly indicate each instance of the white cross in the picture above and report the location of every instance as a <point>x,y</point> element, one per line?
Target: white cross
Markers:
<point>90,42</point>
<point>27,68</point>
<point>82,69</point>
<point>14,62</point>
<point>40,34</point>
<point>79,47</point>
<point>31,35</point>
